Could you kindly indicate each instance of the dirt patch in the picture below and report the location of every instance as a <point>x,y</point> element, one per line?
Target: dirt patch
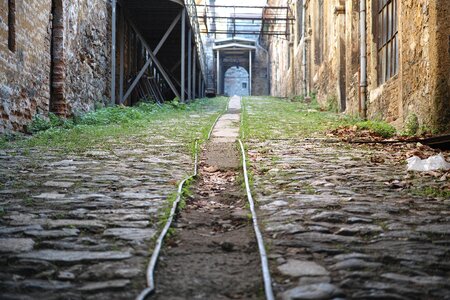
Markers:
<point>223,156</point>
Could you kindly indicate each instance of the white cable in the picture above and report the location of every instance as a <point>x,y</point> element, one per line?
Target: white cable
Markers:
<point>262,250</point>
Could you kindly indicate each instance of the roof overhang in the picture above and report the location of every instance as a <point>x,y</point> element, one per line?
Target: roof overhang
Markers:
<point>234,47</point>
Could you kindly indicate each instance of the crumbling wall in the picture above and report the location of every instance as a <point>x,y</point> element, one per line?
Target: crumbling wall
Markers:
<point>24,73</point>
<point>28,80</point>
<point>421,86</point>
<point>87,52</point>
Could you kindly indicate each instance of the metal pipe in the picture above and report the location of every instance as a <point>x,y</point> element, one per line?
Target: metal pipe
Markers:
<point>194,75</point>
<point>189,82</point>
<point>183,53</point>
<point>122,58</point>
<point>218,73</point>
<point>113,51</point>
<point>304,50</point>
<point>250,72</point>
<point>259,238</point>
<point>363,59</point>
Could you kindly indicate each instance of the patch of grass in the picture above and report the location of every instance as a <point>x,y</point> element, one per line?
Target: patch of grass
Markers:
<point>432,192</point>
<point>29,202</point>
<point>379,127</point>
<point>271,118</point>
<point>108,127</point>
<point>275,118</point>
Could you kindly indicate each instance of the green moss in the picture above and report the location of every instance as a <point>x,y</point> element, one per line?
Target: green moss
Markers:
<point>411,125</point>
<point>432,192</point>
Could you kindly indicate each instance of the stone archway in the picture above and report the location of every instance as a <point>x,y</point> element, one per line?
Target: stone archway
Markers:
<point>58,103</point>
<point>236,81</point>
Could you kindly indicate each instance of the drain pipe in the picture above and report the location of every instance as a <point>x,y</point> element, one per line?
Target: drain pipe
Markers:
<point>305,81</point>
<point>363,59</point>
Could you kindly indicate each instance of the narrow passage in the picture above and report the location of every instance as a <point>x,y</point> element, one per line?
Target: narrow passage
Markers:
<point>213,254</point>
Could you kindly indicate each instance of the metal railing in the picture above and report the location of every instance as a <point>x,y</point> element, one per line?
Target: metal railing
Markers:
<point>191,9</point>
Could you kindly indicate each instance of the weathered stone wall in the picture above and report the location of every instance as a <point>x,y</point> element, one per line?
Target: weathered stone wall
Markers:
<point>421,87</point>
<point>24,74</point>
<point>26,88</point>
<point>87,47</point>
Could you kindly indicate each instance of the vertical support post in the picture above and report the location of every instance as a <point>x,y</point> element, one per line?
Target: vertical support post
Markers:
<point>122,50</point>
<point>218,73</point>
<point>200,84</point>
<point>190,64</point>
<point>194,76</point>
<point>203,89</point>
<point>250,72</point>
<point>183,57</point>
<point>363,59</point>
<point>113,51</point>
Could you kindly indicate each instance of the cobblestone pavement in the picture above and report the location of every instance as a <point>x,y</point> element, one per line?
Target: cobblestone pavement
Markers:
<point>340,226</point>
<point>81,226</point>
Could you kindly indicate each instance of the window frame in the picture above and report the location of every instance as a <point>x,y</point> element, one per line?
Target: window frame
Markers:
<point>386,19</point>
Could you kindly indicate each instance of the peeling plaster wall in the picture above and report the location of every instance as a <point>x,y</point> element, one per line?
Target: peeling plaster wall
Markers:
<point>25,73</point>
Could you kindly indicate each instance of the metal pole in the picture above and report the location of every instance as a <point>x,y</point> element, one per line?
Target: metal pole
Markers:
<point>190,64</point>
<point>363,58</point>
<point>113,52</point>
<point>183,51</point>
<point>200,84</point>
<point>218,73</point>
<point>194,78</point>
<point>203,89</point>
<point>304,50</point>
<point>250,72</point>
<point>122,50</point>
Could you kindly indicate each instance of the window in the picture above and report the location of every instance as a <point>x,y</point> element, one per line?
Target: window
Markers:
<point>12,25</point>
<point>299,20</point>
<point>387,39</point>
<point>244,85</point>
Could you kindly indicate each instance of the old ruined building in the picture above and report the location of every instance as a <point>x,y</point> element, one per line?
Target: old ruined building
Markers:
<point>56,56</point>
<point>386,59</point>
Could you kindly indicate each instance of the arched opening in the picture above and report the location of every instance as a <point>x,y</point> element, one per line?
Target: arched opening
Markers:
<point>58,69</point>
<point>236,82</point>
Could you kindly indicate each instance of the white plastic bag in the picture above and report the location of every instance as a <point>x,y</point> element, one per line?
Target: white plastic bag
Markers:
<point>432,163</point>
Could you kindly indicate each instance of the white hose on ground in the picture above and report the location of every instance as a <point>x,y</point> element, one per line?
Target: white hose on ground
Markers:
<point>262,250</point>
<point>155,255</point>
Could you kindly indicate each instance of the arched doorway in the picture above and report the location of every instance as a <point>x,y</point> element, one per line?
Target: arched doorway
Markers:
<point>236,82</point>
<point>58,69</point>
